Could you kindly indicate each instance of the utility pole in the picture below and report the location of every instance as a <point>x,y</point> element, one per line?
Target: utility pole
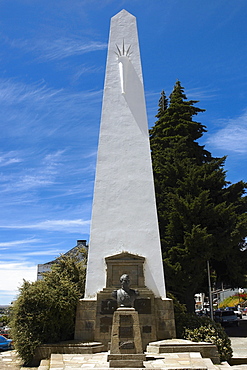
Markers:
<point>209,292</point>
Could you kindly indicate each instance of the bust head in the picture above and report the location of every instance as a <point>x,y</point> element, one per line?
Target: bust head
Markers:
<point>125,281</point>
<point>125,296</point>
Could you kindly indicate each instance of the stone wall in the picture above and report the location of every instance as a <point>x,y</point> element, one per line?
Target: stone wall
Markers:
<point>94,318</point>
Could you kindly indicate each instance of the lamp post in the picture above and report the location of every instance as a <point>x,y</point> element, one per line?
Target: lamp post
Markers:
<point>209,292</point>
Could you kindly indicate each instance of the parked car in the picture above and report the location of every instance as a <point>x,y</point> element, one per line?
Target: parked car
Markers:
<point>202,313</point>
<point>226,317</point>
<point>5,331</point>
<point>236,311</point>
<point>244,311</point>
<point>5,343</point>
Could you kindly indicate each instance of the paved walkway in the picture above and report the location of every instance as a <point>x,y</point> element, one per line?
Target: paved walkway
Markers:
<point>99,361</point>
<point>239,347</point>
<point>10,361</point>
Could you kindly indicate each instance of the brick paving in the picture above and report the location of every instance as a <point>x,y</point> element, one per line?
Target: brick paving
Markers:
<point>168,361</point>
<point>10,361</point>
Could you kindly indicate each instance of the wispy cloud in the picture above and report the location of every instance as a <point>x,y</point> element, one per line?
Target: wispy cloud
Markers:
<point>69,226</point>
<point>202,93</point>
<point>40,174</point>
<point>49,252</point>
<point>14,92</point>
<point>37,112</point>
<point>39,96</point>
<point>84,69</point>
<point>233,135</point>
<point>9,158</point>
<point>57,49</point>
<point>56,172</point>
<point>18,243</point>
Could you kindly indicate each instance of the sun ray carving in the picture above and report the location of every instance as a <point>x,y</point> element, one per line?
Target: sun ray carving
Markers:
<point>123,54</point>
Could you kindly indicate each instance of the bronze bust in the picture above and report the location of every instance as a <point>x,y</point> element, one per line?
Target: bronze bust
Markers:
<point>125,296</point>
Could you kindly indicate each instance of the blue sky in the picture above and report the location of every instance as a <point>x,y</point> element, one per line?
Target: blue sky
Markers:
<point>52,62</point>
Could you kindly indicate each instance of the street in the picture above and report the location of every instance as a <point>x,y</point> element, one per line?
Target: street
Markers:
<point>238,331</point>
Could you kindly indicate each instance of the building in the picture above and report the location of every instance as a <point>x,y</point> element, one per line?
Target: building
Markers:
<point>45,267</point>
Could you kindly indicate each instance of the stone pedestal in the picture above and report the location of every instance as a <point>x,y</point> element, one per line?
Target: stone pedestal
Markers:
<point>94,317</point>
<point>126,344</point>
<point>207,350</point>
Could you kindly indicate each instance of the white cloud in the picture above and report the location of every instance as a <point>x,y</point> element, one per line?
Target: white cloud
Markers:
<point>12,275</point>
<point>42,172</point>
<point>69,226</point>
<point>17,243</point>
<point>50,252</point>
<point>201,93</point>
<point>59,48</point>
<point>9,158</point>
<point>233,136</point>
<point>13,92</point>
<point>39,101</point>
<point>83,69</point>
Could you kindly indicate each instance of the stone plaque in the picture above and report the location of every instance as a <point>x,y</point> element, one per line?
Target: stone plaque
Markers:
<point>126,332</point>
<point>132,271</point>
<point>143,305</point>
<point>147,329</point>
<point>126,320</point>
<point>105,324</point>
<point>127,345</point>
<point>89,325</point>
<point>108,306</point>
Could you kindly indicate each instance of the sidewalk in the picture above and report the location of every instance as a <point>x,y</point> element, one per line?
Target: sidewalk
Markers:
<point>164,361</point>
<point>239,358</point>
<point>9,360</point>
<point>239,347</point>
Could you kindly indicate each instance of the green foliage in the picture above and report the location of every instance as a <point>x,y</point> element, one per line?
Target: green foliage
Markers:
<point>184,320</point>
<point>200,329</point>
<point>4,320</point>
<point>203,329</point>
<point>212,333</point>
<point>179,308</point>
<point>201,216</point>
<point>45,310</point>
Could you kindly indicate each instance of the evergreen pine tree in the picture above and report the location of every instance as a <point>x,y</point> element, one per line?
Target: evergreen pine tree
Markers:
<point>201,215</point>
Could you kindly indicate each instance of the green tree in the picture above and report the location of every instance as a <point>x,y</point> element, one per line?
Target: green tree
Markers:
<point>201,215</point>
<point>44,311</point>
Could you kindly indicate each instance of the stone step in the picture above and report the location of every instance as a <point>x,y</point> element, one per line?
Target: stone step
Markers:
<point>44,365</point>
<point>171,361</point>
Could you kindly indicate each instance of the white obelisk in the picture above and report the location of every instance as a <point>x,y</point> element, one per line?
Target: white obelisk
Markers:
<point>124,217</point>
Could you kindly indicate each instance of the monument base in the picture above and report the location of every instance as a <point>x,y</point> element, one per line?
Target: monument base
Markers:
<point>94,318</point>
<point>126,360</point>
<point>44,351</point>
<point>126,343</point>
<point>207,350</point>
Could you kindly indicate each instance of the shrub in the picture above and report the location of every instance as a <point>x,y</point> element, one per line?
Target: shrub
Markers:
<point>179,308</point>
<point>203,329</point>
<point>45,310</point>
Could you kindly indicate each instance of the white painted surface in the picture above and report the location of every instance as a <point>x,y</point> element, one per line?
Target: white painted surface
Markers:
<point>124,214</point>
